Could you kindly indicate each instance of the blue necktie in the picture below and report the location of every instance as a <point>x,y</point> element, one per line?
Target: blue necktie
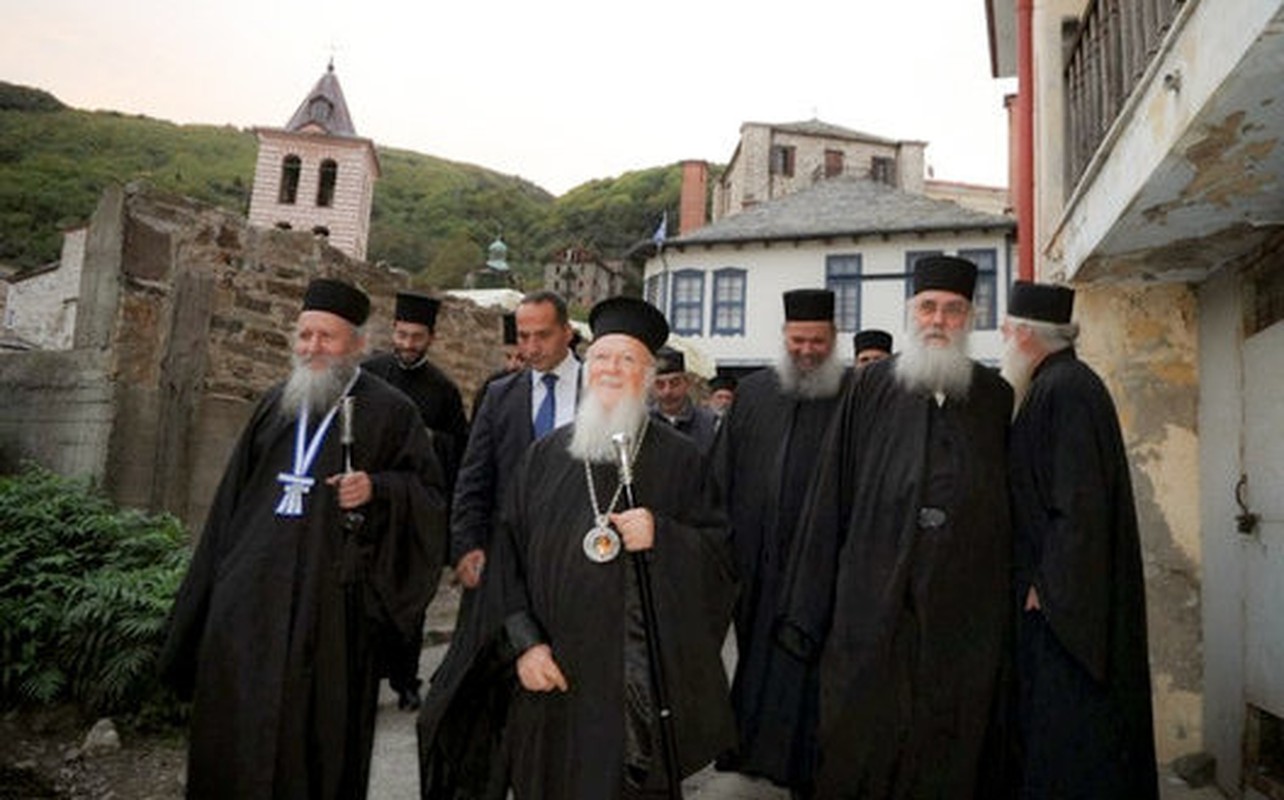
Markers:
<point>546,416</point>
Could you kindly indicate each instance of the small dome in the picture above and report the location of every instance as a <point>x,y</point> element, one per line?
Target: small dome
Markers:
<point>497,255</point>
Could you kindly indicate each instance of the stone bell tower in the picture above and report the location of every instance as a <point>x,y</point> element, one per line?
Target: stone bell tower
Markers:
<point>316,174</point>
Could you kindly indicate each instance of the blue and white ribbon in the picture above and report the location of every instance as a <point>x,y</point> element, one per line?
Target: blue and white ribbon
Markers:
<point>296,484</point>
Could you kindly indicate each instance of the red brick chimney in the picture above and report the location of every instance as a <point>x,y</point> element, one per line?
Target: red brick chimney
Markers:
<point>695,189</point>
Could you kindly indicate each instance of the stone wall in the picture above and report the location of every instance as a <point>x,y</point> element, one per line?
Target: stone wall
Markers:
<point>1142,339</point>
<point>57,411</point>
<point>186,319</point>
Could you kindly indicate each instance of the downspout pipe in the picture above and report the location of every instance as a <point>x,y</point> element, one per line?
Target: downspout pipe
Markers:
<point>1025,140</point>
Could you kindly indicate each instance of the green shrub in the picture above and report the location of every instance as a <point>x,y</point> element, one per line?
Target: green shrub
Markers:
<point>85,589</point>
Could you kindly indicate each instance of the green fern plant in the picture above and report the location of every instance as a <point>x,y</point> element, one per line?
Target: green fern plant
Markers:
<point>85,589</point>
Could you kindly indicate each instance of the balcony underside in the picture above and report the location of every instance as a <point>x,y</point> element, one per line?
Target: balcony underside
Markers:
<point>1172,201</point>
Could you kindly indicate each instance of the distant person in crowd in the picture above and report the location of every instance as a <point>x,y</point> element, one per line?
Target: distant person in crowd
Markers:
<point>672,403</point>
<point>1082,664</point>
<point>722,391</point>
<point>441,409</point>
<point>585,722</point>
<point>871,345</point>
<point>767,447</point>
<point>899,581</point>
<point>311,545</point>
<point>513,360</point>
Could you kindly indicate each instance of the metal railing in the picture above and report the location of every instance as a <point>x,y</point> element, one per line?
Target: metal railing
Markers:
<point>1107,54</point>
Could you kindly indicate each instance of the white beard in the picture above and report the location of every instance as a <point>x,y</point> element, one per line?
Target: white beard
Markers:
<point>1017,369</point>
<point>594,426</point>
<point>315,389</point>
<point>822,382</point>
<point>933,368</point>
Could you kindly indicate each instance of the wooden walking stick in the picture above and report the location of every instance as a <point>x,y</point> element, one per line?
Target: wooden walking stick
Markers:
<point>659,687</point>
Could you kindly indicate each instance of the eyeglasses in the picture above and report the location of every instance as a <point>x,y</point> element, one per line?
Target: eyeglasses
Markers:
<point>953,309</point>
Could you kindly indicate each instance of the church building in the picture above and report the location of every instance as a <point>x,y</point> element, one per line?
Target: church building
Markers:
<point>316,174</point>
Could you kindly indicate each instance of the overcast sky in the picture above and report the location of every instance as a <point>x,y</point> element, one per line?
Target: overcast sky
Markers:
<point>557,91</point>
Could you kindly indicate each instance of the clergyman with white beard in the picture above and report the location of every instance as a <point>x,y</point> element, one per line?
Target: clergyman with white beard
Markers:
<point>765,453</point>
<point>584,721</point>
<point>310,551</point>
<point>898,582</point>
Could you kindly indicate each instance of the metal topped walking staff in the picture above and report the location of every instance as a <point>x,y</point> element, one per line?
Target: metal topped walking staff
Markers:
<point>659,686</point>
<point>352,518</point>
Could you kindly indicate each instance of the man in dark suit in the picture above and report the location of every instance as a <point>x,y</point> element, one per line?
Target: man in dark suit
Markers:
<point>460,724</point>
<point>515,411</point>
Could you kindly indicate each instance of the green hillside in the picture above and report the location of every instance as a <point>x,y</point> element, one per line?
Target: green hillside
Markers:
<point>431,217</point>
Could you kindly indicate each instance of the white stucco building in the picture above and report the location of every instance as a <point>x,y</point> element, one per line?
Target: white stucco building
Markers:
<point>721,285</point>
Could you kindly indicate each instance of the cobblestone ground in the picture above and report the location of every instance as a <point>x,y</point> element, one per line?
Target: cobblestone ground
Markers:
<point>394,771</point>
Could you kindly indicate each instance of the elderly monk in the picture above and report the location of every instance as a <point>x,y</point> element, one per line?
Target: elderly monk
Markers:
<point>1082,664</point>
<point>899,579</point>
<point>584,722</point>
<point>312,548</point>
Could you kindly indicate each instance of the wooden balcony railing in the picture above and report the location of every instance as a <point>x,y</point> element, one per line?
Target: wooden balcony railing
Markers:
<point>1114,42</point>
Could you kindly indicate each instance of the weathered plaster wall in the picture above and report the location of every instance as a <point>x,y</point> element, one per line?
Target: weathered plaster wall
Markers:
<point>42,307</point>
<point>1142,339</point>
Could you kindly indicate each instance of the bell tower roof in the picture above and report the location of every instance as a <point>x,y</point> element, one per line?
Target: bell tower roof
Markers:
<point>324,110</point>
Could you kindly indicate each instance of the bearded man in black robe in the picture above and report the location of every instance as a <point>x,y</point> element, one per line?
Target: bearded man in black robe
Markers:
<point>584,722</point>
<point>442,411</point>
<point>899,579</point>
<point>311,547</point>
<point>767,447</point>
<point>1082,668</point>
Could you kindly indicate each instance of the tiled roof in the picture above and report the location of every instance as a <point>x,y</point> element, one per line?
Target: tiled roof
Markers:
<point>338,122</point>
<point>843,207</point>
<point>815,127</point>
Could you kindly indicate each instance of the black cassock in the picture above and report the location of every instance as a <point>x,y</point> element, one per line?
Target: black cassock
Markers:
<point>899,583</point>
<point>442,412</point>
<point>767,447</point>
<point>1083,668</point>
<point>439,402</point>
<point>576,744</point>
<point>273,628</point>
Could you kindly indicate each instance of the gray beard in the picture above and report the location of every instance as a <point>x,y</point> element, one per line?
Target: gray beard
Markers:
<point>929,368</point>
<point>594,427</point>
<point>1017,370</point>
<point>822,382</point>
<point>316,390</point>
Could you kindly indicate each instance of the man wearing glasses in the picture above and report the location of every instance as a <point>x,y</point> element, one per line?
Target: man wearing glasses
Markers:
<point>898,581</point>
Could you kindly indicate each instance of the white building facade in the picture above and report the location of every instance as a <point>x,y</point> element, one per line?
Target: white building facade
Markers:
<point>721,286</point>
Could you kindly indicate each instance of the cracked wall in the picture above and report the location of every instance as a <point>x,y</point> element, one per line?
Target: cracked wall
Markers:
<point>1142,339</point>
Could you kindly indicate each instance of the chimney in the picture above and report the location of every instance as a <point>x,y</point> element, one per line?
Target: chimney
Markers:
<point>695,189</point>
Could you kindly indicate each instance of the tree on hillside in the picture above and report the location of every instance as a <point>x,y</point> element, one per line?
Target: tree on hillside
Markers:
<point>456,257</point>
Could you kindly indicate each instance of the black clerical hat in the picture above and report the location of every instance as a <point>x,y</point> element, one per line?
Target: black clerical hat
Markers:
<point>722,382</point>
<point>419,308</point>
<point>668,360</point>
<point>809,305</point>
<point>1041,302</point>
<point>631,317</point>
<point>337,297</point>
<point>872,339</point>
<point>510,328</point>
<point>946,273</point>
